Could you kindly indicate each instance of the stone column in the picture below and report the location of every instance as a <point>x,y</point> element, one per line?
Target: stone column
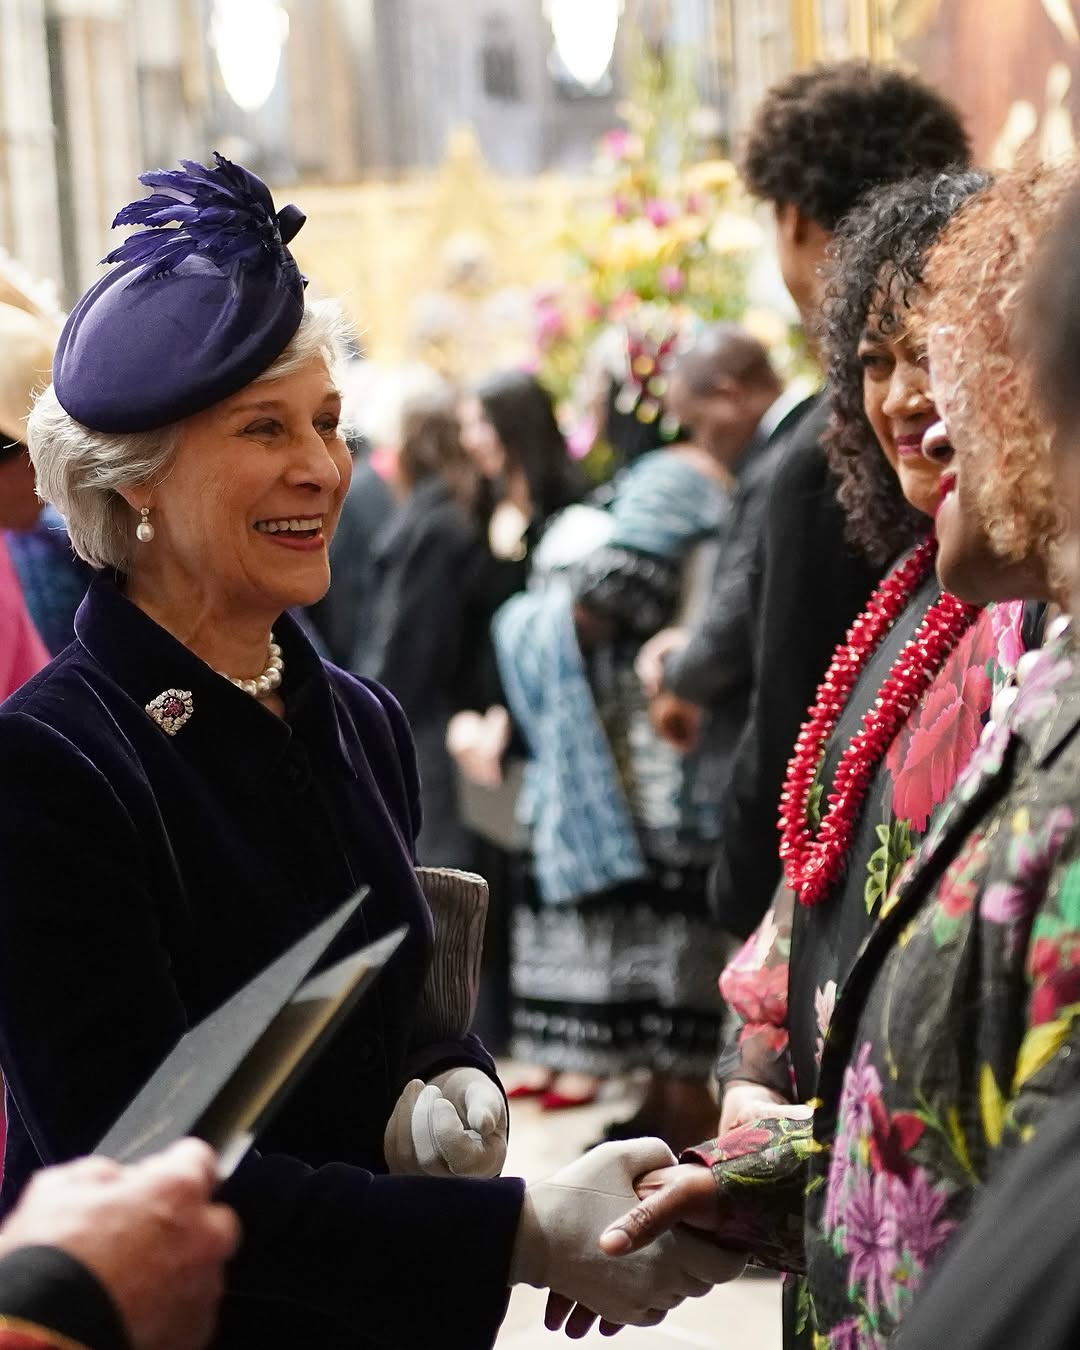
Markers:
<point>29,207</point>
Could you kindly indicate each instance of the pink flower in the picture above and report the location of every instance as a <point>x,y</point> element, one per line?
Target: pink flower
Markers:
<point>672,280</point>
<point>920,1229</point>
<point>870,1240</point>
<point>853,1334</point>
<point>1007,622</point>
<point>927,758</point>
<point>661,212</point>
<point>620,144</point>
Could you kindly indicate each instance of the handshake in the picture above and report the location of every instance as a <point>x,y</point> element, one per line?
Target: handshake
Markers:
<point>606,1235</point>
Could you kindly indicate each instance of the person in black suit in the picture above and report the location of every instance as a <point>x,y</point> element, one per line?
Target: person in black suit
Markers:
<point>819,140</point>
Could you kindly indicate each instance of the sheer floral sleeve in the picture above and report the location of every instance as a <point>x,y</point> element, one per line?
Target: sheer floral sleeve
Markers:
<point>755,986</point>
<point>761,1172</point>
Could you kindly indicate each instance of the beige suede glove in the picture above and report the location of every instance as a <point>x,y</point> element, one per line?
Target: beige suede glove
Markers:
<point>561,1222</point>
<point>454,1126</point>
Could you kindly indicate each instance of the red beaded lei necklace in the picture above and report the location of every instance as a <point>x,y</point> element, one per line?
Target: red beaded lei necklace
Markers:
<point>812,864</point>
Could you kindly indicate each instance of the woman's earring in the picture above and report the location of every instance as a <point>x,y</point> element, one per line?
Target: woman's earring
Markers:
<point>144,531</point>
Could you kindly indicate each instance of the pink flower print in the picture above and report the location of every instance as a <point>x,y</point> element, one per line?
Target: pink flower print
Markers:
<point>927,757</point>
<point>870,1240</point>
<point>921,1232</point>
<point>854,1334</point>
<point>855,1123</point>
<point>1030,856</point>
<point>1007,625</point>
<point>824,1003</point>
<point>862,1087</point>
<point>1038,695</point>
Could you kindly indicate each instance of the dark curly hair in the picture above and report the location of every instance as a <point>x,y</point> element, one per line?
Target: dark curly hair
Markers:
<point>823,137</point>
<point>878,256</point>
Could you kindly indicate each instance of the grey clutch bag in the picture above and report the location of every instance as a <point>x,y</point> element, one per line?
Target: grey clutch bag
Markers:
<point>459,903</point>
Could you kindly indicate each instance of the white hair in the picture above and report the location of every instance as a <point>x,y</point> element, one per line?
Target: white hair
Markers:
<point>82,472</point>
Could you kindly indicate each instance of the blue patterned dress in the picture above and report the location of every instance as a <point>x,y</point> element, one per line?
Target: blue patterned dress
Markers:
<point>614,953</point>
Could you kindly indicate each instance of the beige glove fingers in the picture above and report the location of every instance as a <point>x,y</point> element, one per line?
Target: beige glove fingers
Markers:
<point>443,1145</point>
<point>478,1147</point>
<point>398,1137</point>
<point>705,1262</point>
<point>479,1101</point>
<point>611,1168</point>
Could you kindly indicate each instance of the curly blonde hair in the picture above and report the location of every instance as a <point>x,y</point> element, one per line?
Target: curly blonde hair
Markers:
<point>976,277</point>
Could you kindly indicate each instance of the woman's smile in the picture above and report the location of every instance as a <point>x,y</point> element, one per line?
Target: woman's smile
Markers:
<point>303,533</point>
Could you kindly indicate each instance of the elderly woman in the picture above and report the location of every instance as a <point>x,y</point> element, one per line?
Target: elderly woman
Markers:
<point>957,1026</point>
<point>187,792</point>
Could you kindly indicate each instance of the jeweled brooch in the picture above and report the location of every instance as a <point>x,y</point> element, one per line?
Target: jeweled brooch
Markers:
<point>171,710</point>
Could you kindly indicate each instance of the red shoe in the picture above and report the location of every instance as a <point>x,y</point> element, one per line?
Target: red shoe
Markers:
<point>561,1101</point>
<point>523,1091</point>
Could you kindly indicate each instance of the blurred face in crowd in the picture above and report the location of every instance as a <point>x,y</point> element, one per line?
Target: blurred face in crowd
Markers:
<point>19,505</point>
<point>897,398</point>
<point>801,250</point>
<point>244,518</point>
<point>480,439</point>
<point>722,416</point>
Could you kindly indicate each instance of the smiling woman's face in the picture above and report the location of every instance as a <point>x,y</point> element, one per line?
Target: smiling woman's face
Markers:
<point>897,400</point>
<point>244,518</point>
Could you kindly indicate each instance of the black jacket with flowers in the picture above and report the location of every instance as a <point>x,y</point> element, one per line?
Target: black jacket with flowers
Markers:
<point>957,1028</point>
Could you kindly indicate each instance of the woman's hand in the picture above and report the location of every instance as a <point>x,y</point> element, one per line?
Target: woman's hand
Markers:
<point>676,721</point>
<point>558,1245</point>
<point>478,743</point>
<point>745,1102</point>
<point>649,665</point>
<point>685,1194</point>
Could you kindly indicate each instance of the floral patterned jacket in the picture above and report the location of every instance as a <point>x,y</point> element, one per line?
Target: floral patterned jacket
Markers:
<point>957,1029</point>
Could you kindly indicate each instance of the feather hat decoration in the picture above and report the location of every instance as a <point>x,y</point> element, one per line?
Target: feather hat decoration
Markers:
<point>196,304</point>
<point>224,212</point>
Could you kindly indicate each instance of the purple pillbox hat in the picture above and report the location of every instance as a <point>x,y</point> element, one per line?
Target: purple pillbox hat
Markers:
<point>192,312</point>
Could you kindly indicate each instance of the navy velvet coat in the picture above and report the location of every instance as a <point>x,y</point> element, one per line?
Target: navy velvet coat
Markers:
<point>143,878</point>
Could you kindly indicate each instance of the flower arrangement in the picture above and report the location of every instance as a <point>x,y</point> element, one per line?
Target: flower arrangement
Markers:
<point>667,249</point>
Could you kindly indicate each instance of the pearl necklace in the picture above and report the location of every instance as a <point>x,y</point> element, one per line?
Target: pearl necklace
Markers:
<point>269,680</point>
<point>813,865</point>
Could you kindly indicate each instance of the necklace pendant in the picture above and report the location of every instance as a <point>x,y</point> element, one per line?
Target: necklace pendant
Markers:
<point>172,710</point>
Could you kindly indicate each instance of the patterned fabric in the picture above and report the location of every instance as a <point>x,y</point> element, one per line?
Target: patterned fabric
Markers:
<point>592,769</point>
<point>782,985</point>
<point>959,1026</point>
<point>623,981</point>
<point>53,578</point>
<point>571,802</point>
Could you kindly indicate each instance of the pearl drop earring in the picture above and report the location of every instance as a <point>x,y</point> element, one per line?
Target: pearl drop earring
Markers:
<point>144,531</point>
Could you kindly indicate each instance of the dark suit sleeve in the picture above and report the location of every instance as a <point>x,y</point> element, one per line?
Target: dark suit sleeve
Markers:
<point>719,658</point>
<point>418,615</point>
<point>1012,1278</point>
<point>88,1009</point>
<point>48,1298</point>
<point>813,586</point>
